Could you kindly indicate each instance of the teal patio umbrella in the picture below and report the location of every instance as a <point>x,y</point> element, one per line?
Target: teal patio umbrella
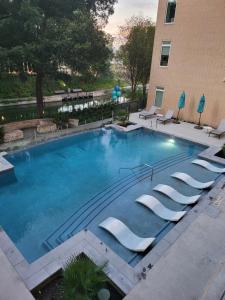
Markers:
<point>181,105</point>
<point>200,110</point>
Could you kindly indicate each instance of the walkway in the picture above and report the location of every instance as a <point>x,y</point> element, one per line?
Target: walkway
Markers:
<point>47,99</point>
<point>184,130</point>
<point>11,285</point>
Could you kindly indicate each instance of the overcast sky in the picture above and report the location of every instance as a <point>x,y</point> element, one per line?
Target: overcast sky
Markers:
<point>125,9</point>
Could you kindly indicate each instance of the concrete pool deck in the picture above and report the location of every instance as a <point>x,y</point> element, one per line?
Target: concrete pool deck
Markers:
<point>183,130</point>
<point>12,286</point>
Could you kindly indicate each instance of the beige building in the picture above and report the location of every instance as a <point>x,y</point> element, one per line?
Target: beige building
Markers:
<point>189,55</point>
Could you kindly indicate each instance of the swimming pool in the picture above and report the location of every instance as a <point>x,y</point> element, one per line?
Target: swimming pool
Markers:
<point>64,186</point>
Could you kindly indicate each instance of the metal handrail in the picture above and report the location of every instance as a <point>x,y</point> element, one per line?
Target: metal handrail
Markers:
<point>152,169</point>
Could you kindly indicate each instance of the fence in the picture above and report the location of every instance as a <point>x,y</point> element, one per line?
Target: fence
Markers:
<point>85,114</point>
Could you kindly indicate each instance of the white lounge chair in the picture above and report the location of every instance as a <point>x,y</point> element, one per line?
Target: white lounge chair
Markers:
<point>148,114</point>
<point>175,195</point>
<point>191,181</point>
<point>220,130</point>
<point>167,118</point>
<point>125,236</point>
<point>159,209</point>
<point>205,164</point>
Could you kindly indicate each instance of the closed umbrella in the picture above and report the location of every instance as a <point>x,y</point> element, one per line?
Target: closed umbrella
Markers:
<point>200,110</point>
<point>181,105</point>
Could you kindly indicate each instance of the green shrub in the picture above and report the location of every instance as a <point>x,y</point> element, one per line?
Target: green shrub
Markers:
<point>1,135</point>
<point>122,116</point>
<point>82,279</point>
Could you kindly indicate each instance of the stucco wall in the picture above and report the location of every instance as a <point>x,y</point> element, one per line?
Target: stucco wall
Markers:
<point>197,58</point>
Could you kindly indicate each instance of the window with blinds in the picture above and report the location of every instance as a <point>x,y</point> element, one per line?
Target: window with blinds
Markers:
<point>159,92</point>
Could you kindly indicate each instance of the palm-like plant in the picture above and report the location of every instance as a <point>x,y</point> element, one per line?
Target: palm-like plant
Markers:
<point>82,279</point>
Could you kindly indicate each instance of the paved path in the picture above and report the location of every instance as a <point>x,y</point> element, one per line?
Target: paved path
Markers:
<point>194,267</point>
<point>48,99</point>
<point>11,285</point>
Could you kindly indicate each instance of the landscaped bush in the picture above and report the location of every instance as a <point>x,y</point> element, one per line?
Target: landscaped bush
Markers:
<point>1,135</point>
<point>82,279</point>
<point>122,116</point>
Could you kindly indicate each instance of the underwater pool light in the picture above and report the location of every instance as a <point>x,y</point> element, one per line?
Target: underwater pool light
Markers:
<point>171,140</point>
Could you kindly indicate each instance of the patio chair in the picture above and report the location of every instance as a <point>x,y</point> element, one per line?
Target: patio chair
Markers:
<point>159,209</point>
<point>220,130</point>
<point>191,181</point>
<point>175,195</point>
<point>125,236</point>
<point>167,118</point>
<point>148,114</point>
<point>205,164</point>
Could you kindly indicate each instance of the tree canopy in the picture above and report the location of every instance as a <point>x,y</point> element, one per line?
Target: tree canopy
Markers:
<point>136,53</point>
<point>41,35</point>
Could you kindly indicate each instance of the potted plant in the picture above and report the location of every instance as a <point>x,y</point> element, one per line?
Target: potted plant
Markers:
<point>81,279</point>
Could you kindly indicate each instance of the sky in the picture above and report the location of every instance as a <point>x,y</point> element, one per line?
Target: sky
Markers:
<point>125,9</point>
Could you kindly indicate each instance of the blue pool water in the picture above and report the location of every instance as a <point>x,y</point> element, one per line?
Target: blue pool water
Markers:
<point>56,179</point>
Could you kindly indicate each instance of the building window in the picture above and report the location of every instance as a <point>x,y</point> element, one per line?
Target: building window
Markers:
<point>165,53</point>
<point>171,11</point>
<point>159,96</point>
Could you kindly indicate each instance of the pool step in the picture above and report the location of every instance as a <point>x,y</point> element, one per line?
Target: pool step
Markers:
<point>88,212</point>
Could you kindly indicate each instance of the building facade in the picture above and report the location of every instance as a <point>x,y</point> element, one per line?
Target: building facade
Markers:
<point>189,55</point>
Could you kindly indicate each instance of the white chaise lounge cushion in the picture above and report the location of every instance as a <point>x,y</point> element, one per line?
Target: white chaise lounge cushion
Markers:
<point>205,164</point>
<point>159,209</point>
<point>125,236</point>
<point>191,181</point>
<point>175,195</point>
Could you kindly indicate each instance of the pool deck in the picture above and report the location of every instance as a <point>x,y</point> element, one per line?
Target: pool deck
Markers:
<point>183,130</point>
<point>12,286</point>
<point>188,263</point>
<point>4,164</point>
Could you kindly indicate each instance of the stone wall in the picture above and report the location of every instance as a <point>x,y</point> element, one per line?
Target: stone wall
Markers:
<point>24,124</point>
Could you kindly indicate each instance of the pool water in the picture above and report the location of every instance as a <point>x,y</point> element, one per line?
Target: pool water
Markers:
<point>54,180</point>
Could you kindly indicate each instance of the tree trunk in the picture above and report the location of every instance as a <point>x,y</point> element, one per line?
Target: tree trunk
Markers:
<point>39,94</point>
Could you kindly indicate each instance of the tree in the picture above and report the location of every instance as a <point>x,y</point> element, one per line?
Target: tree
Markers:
<point>136,53</point>
<point>41,35</point>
